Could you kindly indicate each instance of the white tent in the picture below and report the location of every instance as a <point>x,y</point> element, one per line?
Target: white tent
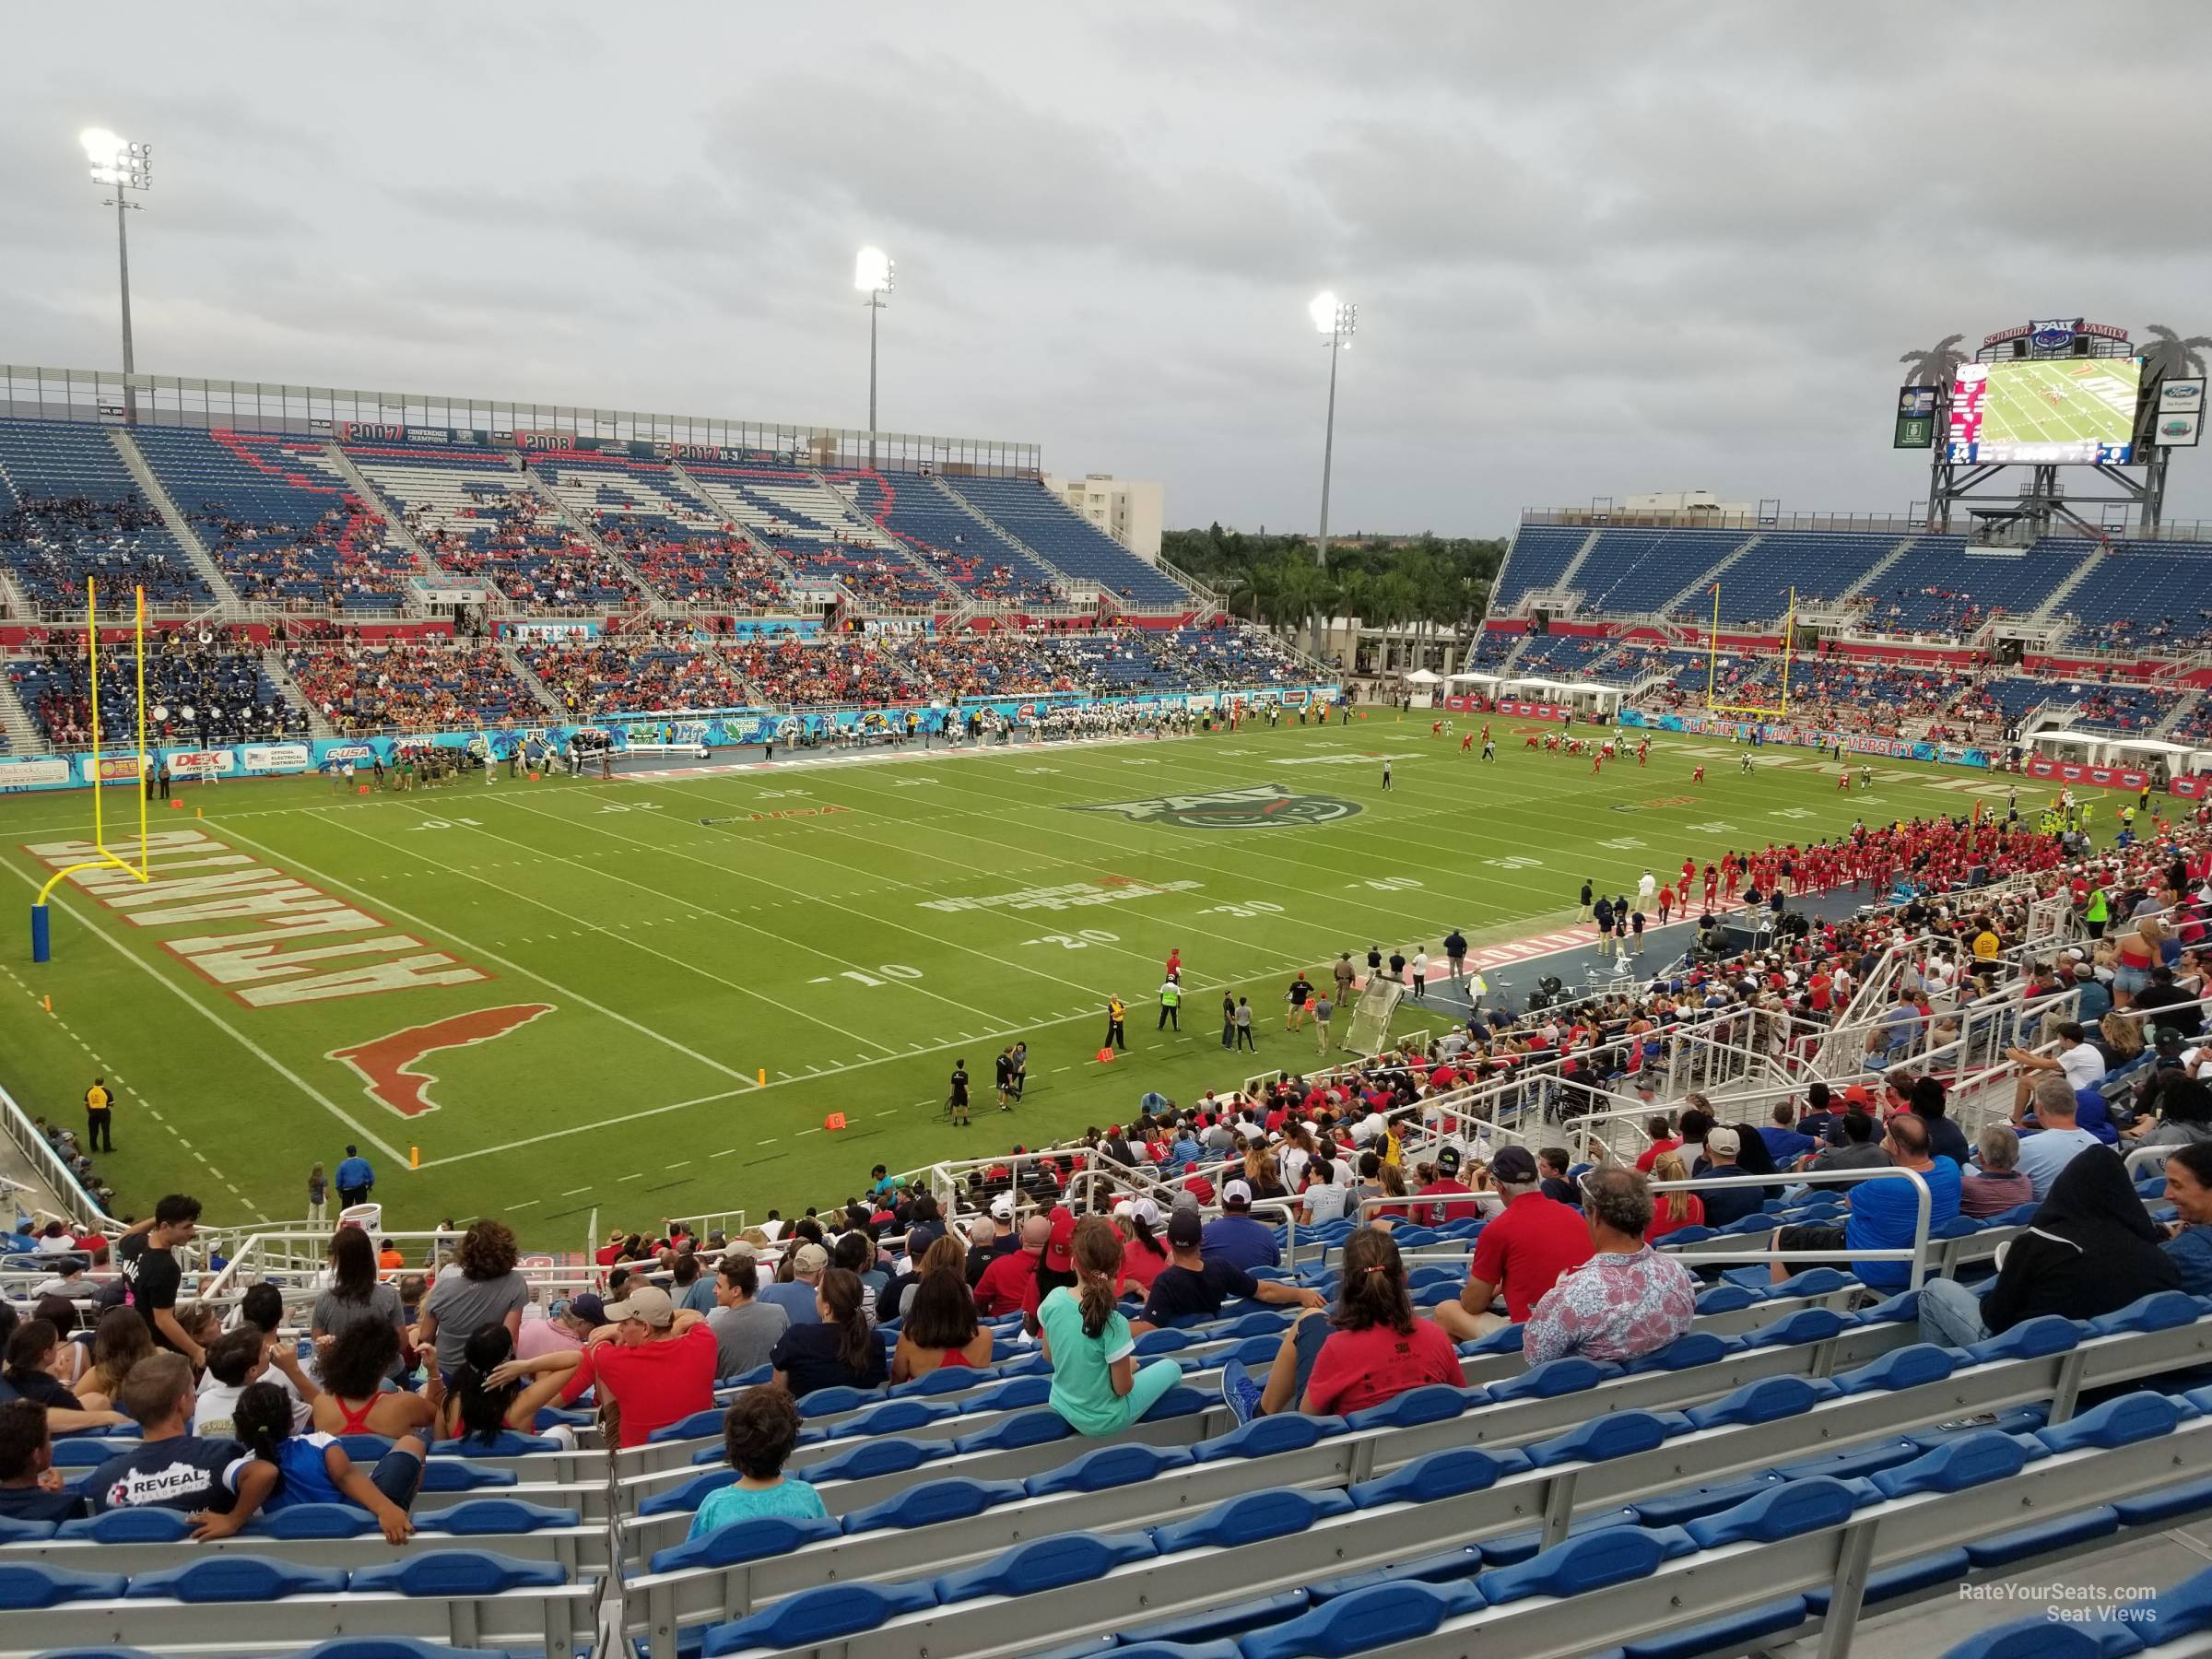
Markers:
<point>1419,676</point>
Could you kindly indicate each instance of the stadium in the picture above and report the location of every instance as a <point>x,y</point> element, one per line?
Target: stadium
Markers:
<point>643,1031</point>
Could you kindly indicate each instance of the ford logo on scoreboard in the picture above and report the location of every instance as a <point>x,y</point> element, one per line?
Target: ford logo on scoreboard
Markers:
<point>2057,335</point>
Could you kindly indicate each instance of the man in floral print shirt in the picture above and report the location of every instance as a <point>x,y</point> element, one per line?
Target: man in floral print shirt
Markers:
<point>1628,1299</point>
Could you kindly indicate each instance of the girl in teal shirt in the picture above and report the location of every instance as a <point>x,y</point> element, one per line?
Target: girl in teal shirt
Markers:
<point>1096,1386</point>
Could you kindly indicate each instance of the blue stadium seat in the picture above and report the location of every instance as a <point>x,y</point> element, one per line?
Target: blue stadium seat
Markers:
<point>236,1578</point>
<point>458,1572</point>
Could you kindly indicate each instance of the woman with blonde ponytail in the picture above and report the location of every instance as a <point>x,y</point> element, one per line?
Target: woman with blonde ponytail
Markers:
<point>1096,1386</point>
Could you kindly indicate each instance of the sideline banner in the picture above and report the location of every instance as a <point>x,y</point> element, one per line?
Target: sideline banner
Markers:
<point>2104,777</point>
<point>24,775</point>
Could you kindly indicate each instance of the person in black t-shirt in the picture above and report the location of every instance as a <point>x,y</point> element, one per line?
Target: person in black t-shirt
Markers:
<point>1003,1074</point>
<point>152,1274</point>
<point>31,1486</point>
<point>1189,1286</point>
<point>957,1101</point>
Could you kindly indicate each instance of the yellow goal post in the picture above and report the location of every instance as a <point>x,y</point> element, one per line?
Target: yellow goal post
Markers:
<point>40,934</point>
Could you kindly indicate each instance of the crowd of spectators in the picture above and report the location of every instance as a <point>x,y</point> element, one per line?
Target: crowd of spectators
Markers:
<point>698,567</point>
<point>517,541</point>
<point>818,673</point>
<point>637,670</point>
<point>202,687</point>
<point>418,685</point>
<point>54,543</point>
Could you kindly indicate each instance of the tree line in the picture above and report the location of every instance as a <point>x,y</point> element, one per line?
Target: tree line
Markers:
<point>1442,583</point>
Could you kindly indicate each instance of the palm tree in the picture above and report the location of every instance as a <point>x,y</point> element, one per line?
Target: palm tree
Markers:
<point>1939,364</point>
<point>2168,355</point>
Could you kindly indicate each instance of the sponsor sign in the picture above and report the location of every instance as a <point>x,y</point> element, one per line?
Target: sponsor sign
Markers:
<point>273,758</point>
<point>202,763</point>
<point>44,773</point>
<point>110,769</point>
<point>2182,395</point>
<point>2195,786</point>
<point>2104,777</point>
<point>348,751</point>
<point>553,630</point>
<point>1262,806</point>
<point>1518,710</point>
<point>2178,430</point>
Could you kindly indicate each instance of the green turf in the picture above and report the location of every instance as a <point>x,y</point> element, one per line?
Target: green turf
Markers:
<point>680,959</point>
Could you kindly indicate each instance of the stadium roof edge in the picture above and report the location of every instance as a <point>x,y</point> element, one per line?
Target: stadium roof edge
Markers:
<point>33,391</point>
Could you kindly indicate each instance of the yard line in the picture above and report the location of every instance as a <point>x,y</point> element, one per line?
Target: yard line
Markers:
<point>574,1192</point>
<point>800,945</point>
<point>525,1203</point>
<point>508,963</point>
<point>664,851</point>
<point>216,1019</point>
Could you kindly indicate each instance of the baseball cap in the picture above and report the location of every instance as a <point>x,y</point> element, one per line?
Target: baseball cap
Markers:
<point>1058,1255</point>
<point>1856,1095</point>
<point>649,1303</point>
<point>1722,1144</point>
<point>1184,1228</point>
<point>809,1258</point>
<point>1236,1193</point>
<point>1514,1165</point>
<point>589,1307</point>
<point>1001,1207</point>
<point>1447,1161</point>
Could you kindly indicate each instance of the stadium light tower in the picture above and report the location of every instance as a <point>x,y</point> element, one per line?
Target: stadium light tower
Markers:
<point>1335,320</point>
<point>872,276</point>
<point>123,167</point>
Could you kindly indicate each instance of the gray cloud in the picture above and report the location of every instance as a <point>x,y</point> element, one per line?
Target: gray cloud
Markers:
<point>1625,247</point>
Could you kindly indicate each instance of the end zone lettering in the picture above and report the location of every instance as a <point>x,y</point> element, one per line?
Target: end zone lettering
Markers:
<point>1262,806</point>
<point>257,964</point>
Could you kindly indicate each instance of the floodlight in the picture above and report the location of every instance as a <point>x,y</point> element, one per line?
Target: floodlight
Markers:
<point>101,145</point>
<point>1333,317</point>
<point>872,271</point>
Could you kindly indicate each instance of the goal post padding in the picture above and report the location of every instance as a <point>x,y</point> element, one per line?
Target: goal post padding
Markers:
<point>1369,1032</point>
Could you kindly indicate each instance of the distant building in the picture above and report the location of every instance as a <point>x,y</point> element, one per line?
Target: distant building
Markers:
<point>1126,509</point>
<point>1687,502</point>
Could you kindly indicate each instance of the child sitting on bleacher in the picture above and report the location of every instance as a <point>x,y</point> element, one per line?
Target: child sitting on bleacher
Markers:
<point>31,1486</point>
<point>758,1436</point>
<point>313,1467</point>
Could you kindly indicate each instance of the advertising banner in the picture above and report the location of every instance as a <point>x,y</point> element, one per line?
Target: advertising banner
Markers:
<point>201,763</point>
<point>2104,777</point>
<point>107,768</point>
<point>258,759</point>
<point>42,772</point>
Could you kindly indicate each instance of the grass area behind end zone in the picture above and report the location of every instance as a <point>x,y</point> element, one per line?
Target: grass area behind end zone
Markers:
<point>567,994</point>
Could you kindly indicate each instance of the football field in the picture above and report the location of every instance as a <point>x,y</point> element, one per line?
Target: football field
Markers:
<point>651,994</point>
<point>2088,401</point>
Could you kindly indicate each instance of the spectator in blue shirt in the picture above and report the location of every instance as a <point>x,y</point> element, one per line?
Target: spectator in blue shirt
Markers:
<point>1186,1150</point>
<point>2189,1190</point>
<point>1884,1212</point>
<point>1783,1140</point>
<point>354,1179</point>
<point>1237,1237</point>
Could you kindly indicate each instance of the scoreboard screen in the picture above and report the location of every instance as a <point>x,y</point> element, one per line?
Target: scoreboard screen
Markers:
<point>2065,409</point>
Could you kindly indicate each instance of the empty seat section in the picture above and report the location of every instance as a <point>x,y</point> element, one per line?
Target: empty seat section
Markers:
<point>70,510</point>
<point>1536,561</point>
<point>1938,586</point>
<point>1072,545</point>
<point>937,529</point>
<point>796,515</point>
<point>281,520</point>
<point>1631,572</point>
<point>1822,566</point>
<point>476,516</point>
<point>2147,596</point>
<point>686,549</point>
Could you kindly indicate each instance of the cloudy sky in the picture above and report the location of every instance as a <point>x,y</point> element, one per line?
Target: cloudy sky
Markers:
<point>1596,250</point>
